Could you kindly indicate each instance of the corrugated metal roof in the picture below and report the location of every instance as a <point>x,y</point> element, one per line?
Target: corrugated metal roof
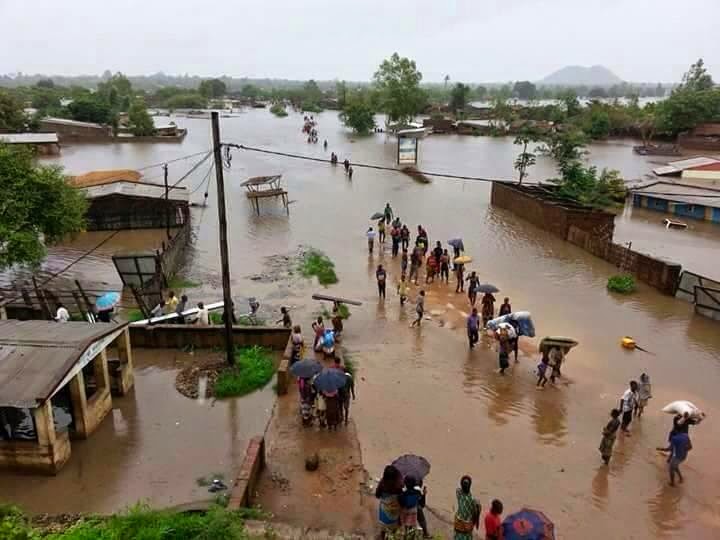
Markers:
<point>682,193</point>
<point>98,178</point>
<point>28,138</point>
<point>709,167</point>
<point>35,356</point>
<point>130,189</point>
<point>67,122</point>
<point>675,167</point>
<point>261,180</point>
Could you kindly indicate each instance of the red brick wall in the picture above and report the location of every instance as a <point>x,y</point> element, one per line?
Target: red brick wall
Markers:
<point>247,479</point>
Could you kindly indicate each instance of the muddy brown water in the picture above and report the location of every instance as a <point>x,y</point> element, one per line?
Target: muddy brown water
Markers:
<point>421,390</point>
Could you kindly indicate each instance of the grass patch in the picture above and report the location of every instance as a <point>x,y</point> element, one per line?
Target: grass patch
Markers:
<point>316,263</point>
<point>343,309</point>
<point>134,315</point>
<point>253,370</point>
<point>242,320</point>
<point>177,282</point>
<point>278,109</point>
<point>623,284</point>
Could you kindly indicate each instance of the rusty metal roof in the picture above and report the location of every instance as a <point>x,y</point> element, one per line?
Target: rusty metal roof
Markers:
<point>35,356</point>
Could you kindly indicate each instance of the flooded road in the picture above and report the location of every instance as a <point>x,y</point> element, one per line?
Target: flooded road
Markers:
<point>421,390</point>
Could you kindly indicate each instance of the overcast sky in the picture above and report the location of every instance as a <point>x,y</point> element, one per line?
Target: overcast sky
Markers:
<point>471,40</point>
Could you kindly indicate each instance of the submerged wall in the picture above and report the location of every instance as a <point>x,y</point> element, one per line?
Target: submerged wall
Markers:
<point>207,337</point>
<point>587,228</point>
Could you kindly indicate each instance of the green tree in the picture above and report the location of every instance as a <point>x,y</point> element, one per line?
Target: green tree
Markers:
<point>37,207</point>
<point>525,159</point>
<point>481,92</point>
<point>697,78</point>
<point>188,100</point>
<point>398,81</point>
<point>341,93</point>
<point>446,80</point>
<point>91,108</point>
<point>212,88</point>
<point>312,93</point>
<point>45,100</point>
<point>570,100</point>
<point>459,97</point>
<point>250,91</point>
<point>139,121</point>
<point>597,92</point>
<point>525,90</point>
<point>116,92</point>
<point>358,115</point>
<point>45,83</point>
<point>599,127</point>
<point>12,115</point>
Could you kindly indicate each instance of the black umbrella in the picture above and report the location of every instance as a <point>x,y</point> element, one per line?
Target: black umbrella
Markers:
<point>377,215</point>
<point>330,380</point>
<point>487,288</point>
<point>411,465</point>
<point>306,368</point>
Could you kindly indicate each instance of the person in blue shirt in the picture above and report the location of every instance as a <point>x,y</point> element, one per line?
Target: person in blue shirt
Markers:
<point>473,328</point>
<point>680,446</point>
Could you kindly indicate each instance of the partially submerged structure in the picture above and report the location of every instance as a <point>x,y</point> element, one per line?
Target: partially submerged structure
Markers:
<point>73,130</point>
<point>120,199</point>
<point>704,136</point>
<point>45,144</point>
<point>262,187</point>
<point>56,381</point>
<point>676,168</point>
<point>680,199</point>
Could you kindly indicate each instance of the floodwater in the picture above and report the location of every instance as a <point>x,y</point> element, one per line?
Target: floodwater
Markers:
<point>153,447</point>
<point>421,390</point>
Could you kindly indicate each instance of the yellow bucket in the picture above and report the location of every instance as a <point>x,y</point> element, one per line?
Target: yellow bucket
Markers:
<point>627,342</point>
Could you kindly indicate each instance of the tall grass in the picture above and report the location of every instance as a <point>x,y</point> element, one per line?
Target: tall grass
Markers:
<point>316,263</point>
<point>623,284</point>
<point>253,369</point>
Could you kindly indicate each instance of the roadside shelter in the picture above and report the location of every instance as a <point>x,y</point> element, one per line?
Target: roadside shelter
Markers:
<point>55,385</point>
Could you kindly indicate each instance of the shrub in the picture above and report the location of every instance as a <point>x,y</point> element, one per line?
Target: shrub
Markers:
<point>623,284</point>
<point>278,109</point>
<point>316,263</point>
<point>14,525</point>
<point>253,369</point>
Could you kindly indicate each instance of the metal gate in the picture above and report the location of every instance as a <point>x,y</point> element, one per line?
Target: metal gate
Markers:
<point>707,302</point>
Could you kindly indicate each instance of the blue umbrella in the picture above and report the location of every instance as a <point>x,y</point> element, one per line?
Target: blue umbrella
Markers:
<point>107,301</point>
<point>528,524</point>
<point>330,380</point>
<point>306,368</point>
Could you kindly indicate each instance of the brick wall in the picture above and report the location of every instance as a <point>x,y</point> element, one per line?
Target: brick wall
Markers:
<point>245,484</point>
<point>207,337</point>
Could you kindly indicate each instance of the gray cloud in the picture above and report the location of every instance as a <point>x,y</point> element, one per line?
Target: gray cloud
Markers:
<point>471,40</point>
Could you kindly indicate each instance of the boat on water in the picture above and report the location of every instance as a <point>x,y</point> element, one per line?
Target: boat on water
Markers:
<point>670,224</point>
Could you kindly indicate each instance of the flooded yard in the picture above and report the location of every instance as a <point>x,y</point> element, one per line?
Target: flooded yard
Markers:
<point>422,391</point>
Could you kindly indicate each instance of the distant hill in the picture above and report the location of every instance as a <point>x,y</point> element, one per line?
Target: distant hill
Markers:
<point>581,76</point>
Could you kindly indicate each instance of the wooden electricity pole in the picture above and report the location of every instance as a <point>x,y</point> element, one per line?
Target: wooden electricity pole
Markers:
<point>227,297</point>
<point>167,202</point>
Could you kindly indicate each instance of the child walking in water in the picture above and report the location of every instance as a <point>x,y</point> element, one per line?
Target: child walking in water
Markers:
<point>644,394</point>
<point>419,308</point>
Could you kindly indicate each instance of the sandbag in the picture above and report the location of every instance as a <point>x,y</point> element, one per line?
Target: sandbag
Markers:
<point>682,407</point>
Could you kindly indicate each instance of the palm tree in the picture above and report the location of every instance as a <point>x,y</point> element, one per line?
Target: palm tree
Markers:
<point>447,79</point>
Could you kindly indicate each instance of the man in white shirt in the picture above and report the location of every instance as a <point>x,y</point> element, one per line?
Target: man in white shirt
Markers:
<point>371,239</point>
<point>203,317</point>
<point>627,404</point>
<point>62,314</point>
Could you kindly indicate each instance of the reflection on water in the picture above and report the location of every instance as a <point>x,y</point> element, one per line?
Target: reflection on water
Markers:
<point>420,390</point>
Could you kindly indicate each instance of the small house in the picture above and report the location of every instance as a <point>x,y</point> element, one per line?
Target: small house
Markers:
<point>56,384</point>
<point>680,199</point>
<point>122,199</point>
<point>45,144</point>
<point>73,130</point>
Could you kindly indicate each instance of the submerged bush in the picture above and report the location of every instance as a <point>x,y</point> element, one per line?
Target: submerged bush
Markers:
<point>316,263</point>
<point>253,369</point>
<point>623,284</point>
<point>14,525</point>
<point>278,109</point>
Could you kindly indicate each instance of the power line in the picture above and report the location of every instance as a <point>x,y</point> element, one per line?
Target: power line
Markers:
<point>369,165</point>
<point>173,160</point>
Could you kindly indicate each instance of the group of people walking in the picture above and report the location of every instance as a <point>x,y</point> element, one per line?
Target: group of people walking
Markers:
<point>402,503</point>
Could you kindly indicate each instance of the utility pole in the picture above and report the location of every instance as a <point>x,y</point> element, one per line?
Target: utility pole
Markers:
<point>227,297</point>
<point>167,203</point>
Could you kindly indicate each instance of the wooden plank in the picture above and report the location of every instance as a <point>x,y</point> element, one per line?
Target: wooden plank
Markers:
<point>170,317</point>
<point>329,298</point>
